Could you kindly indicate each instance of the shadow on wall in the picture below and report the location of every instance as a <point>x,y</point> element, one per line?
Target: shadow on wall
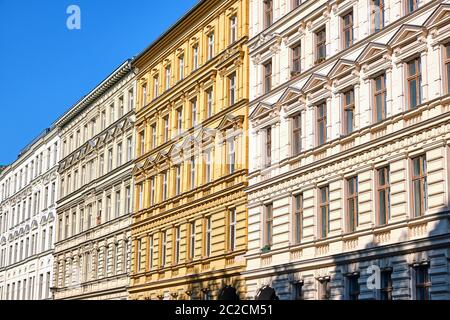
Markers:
<point>416,266</point>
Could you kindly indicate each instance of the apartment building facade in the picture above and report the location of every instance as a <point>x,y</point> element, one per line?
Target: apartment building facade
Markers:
<point>349,150</point>
<point>189,226</point>
<point>28,189</point>
<point>92,252</point>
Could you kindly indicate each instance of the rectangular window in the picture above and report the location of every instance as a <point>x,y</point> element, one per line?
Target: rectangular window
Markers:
<point>121,107</point>
<point>152,191</point>
<point>232,229</point>
<point>267,76</point>
<point>181,68</point>
<point>195,57</point>
<point>166,128</point>
<point>378,15</point>
<point>233,29</point>
<point>231,148</point>
<point>208,236</point>
<point>119,154</point>
<point>298,218</point>
<point>112,116</point>
<point>352,204</point>
<point>268,13</point>
<point>385,292</point>
<point>155,87</point>
<point>349,111</point>
<point>347,29</point>
<point>110,159</point>
<point>232,89</point>
<point>165,187</point>
<point>129,148</point>
<point>154,133</point>
<point>297,134</point>
<point>268,225</point>
<point>268,147</point>
<point>144,95</point>
<point>353,288</point>
<point>177,244</point>
<point>209,103</point>
<point>117,209</point>
<point>128,203</point>
<point>191,240</point>
<point>420,185</point>
<point>179,121</point>
<point>192,173</point>
<point>383,196</point>
<point>139,255</point>
<point>447,67</point>
<point>164,249</point>
<point>296,67</point>
<point>423,282</point>
<point>324,289</point>
<point>324,207</point>
<point>411,5</point>
<point>151,252</point>
<point>141,196</point>
<point>380,97</point>
<point>194,112</point>
<point>321,115</point>
<point>168,76</point>
<point>414,80</point>
<point>142,143</point>
<point>210,46</point>
<point>321,48</point>
<point>178,180</point>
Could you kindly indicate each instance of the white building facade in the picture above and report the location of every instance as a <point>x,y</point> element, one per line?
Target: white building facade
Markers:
<point>92,254</point>
<point>350,132</point>
<point>27,220</point>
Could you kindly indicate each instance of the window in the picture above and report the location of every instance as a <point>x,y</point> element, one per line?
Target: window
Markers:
<point>447,66</point>
<point>383,196</point>
<point>112,116</point>
<point>153,129</point>
<point>231,148</point>
<point>191,240</point>
<point>232,89</point>
<point>194,112</point>
<point>177,244</point>
<point>144,95</point>
<point>321,115</point>
<point>378,15</point>
<point>121,108</point>
<point>324,207</point>
<point>298,290</point>
<point>352,204</point>
<point>267,76</point>
<point>420,186</point>
<point>296,134</point>
<point>321,49</point>
<point>298,218</point>
<point>164,190</point>
<point>411,5</point>
<point>324,288</point>
<point>195,57</point>
<point>209,103</point>
<point>268,147</point>
<point>166,128</point>
<point>208,166</point>
<point>117,209</point>
<point>414,80</point>
<point>99,212</point>
<point>129,148</point>
<point>268,13</point>
<point>130,99</point>
<point>152,191</point>
<point>110,159</point>
<point>268,225</point>
<point>168,76</point>
<point>210,46</point>
<point>233,29</point>
<point>128,203</point>
<point>164,249</point>
<point>423,282</point>
<point>151,252</point>
<point>179,121</point>
<point>142,143</point>
<point>81,227</point>
<point>385,292</point>
<point>192,173</point>
<point>380,97</point>
<point>296,3</point>
<point>296,64</point>
<point>119,154</point>
<point>231,229</point>
<point>141,196</point>
<point>155,86</point>
<point>181,67</point>
<point>347,29</point>
<point>139,255</point>
<point>349,111</point>
<point>208,236</point>
<point>178,180</point>
<point>353,287</point>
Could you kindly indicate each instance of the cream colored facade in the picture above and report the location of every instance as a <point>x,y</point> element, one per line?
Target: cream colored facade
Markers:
<point>28,189</point>
<point>343,141</point>
<point>189,228</point>
<point>92,253</point>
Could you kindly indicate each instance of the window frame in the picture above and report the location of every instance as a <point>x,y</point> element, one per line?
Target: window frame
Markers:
<point>417,77</point>
<point>423,180</point>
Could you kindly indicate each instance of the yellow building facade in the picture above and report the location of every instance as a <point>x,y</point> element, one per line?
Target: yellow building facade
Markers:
<point>189,230</point>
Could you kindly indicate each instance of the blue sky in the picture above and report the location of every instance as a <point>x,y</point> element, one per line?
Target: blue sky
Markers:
<point>45,67</point>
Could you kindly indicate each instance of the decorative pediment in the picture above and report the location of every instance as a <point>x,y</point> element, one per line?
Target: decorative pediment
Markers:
<point>27,229</point>
<point>43,220</point>
<point>51,217</point>
<point>440,17</point>
<point>16,234</point>
<point>189,142</point>
<point>261,111</point>
<point>405,35</point>
<point>10,237</point>
<point>149,162</point>
<point>342,68</point>
<point>162,156</point>
<point>314,83</point>
<point>3,241</point>
<point>229,121</point>
<point>138,168</point>
<point>34,225</point>
<point>289,94</point>
<point>206,135</point>
<point>21,232</point>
